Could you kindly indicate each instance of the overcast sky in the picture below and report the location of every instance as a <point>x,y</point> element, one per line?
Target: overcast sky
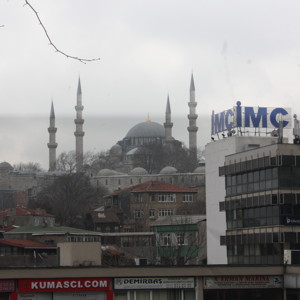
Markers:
<point>247,50</point>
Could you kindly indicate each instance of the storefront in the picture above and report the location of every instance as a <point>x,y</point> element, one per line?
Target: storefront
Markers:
<point>65,289</point>
<point>7,288</point>
<point>154,288</point>
<point>246,287</point>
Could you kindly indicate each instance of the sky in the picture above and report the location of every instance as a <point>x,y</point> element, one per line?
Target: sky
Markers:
<point>246,50</point>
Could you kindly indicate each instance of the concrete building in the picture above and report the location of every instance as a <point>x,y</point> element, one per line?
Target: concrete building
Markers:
<point>152,282</point>
<point>241,129</point>
<point>262,205</point>
<point>215,153</point>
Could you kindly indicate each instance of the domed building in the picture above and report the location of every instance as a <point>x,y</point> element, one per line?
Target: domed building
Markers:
<point>122,155</point>
<point>142,134</point>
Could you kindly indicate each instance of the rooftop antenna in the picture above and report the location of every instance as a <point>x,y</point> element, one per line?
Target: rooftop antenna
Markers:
<point>296,130</point>
<point>280,130</point>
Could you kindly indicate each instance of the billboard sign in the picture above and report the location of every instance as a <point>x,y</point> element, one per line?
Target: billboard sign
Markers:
<point>249,117</point>
<point>243,282</point>
<point>154,283</point>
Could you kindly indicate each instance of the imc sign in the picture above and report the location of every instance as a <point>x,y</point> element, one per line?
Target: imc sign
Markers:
<point>248,116</point>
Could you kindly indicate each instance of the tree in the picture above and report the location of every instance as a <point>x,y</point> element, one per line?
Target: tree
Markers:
<point>31,167</point>
<point>69,198</point>
<point>83,60</point>
<point>66,161</point>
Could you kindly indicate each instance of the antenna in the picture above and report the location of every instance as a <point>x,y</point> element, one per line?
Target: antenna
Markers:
<point>296,130</point>
<point>280,130</point>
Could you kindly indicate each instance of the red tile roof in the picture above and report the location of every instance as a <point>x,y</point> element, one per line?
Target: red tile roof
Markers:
<point>22,211</point>
<point>156,186</point>
<point>24,243</point>
<point>8,228</point>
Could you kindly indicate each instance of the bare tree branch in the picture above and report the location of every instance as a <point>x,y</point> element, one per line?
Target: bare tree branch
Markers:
<point>83,60</point>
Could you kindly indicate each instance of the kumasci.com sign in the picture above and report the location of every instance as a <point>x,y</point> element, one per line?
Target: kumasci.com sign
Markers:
<point>73,284</point>
<point>250,117</point>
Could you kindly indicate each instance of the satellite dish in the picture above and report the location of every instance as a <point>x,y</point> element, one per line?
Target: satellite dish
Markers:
<point>274,133</point>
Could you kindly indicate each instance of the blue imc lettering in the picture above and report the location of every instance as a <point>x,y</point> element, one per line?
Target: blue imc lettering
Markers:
<point>256,119</point>
<point>228,125</point>
<point>274,114</point>
<point>218,122</point>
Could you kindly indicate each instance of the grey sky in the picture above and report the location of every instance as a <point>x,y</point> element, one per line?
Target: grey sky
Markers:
<point>245,50</point>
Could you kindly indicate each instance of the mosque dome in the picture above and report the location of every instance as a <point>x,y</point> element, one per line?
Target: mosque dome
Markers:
<point>146,129</point>
<point>108,172</point>
<point>116,150</point>
<point>138,171</point>
<point>5,166</point>
<point>168,170</point>
<point>200,169</point>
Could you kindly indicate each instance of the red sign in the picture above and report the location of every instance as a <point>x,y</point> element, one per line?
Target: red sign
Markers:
<point>63,285</point>
<point>7,286</point>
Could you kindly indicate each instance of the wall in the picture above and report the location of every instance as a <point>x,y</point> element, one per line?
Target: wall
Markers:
<point>80,253</point>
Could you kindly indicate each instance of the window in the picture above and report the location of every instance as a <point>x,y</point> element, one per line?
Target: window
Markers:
<point>165,212</point>
<point>187,198</point>
<point>166,239</point>
<point>167,198</point>
<point>138,213</point>
<point>138,198</point>
<point>180,238</point>
<point>152,213</point>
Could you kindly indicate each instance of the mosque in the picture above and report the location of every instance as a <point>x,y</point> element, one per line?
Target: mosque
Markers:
<point>141,134</point>
<point>148,132</point>
<point>27,184</point>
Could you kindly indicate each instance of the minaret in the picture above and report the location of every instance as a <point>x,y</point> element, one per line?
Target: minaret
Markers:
<point>52,145</point>
<point>192,116</point>
<point>168,124</point>
<point>79,133</point>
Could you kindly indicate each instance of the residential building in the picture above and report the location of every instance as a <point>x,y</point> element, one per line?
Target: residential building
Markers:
<point>21,216</point>
<point>180,240</point>
<point>146,202</point>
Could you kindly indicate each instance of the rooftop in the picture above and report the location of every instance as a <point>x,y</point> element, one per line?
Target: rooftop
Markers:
<point>156,186</point>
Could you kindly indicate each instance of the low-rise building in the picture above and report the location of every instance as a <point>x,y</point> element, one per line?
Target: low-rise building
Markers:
<point>21,216</point>
<point>180,240</point>
<point>146,202</point>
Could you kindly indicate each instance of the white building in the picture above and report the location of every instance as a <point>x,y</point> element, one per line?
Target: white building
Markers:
<point>215,153</point>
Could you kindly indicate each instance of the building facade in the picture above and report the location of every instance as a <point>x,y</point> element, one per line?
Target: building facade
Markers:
<point>215,153</point>
<point>262,205</point>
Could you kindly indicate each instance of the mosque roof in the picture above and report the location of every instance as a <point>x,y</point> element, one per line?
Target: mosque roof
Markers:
<point>5,165</point>
<point>168,170</point>
<point>108,172</point>
<point>138,171</point>
<point>147,129</point>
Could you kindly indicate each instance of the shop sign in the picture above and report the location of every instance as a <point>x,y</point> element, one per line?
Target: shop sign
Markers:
<point>154,283</point>
<point>250,117</point>
<point>243,282</point>
<point>7,286</point>
<point>291,220</point>
<point>63,285</point>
